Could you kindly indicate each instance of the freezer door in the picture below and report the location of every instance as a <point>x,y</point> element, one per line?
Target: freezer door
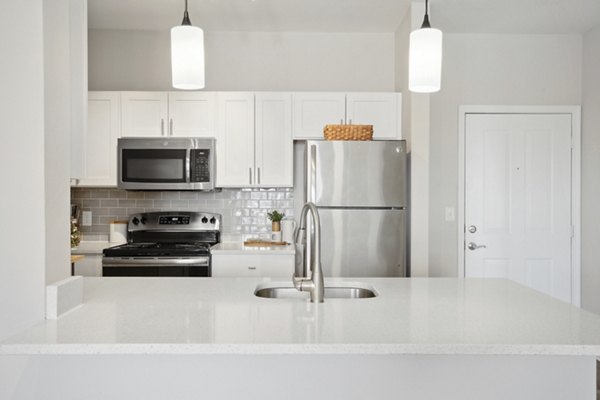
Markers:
<point>363,243</point>
<point>356,174</point>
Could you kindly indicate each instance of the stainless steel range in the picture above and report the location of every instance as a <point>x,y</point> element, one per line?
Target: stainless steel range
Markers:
<point>169,243</point>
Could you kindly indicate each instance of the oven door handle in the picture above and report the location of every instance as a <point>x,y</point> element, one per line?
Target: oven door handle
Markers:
<point>155,262</point>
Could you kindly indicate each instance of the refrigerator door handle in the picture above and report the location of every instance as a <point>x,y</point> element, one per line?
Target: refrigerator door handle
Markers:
<point>313,173</point>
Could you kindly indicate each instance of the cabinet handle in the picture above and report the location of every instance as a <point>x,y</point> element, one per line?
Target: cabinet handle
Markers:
<point>252,268</point>
<point>171,127</point>
<point>259,176</point>
<point>350,122</point>
<point>341,121</point>
<point>250,175</point>
<point>162,127</point>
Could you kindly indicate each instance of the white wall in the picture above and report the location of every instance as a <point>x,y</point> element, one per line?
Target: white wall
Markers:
<point>590,156</point>
<point>22,243</point>
<point>140,60</point>
<point>489,70</point>
<point>57,96</point>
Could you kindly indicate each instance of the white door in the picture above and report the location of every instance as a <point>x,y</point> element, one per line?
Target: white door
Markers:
<point>235,139</point>
<point>100,140</point>
<point>382,110</point>
<point>518,199</point>
<point>274,143</point>
<point>144,114</point>
<point>192,114</point>
<point>312,111</point>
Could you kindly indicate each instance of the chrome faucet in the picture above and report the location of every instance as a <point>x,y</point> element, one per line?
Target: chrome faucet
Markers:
<point>314,284</point>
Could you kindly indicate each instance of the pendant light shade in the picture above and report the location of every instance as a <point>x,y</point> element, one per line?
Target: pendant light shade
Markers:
<point>425,58</point>
<point>187,55</point>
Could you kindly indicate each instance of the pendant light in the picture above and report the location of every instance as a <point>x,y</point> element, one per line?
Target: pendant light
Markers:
<point>425,58</point>
<point>187,54</point>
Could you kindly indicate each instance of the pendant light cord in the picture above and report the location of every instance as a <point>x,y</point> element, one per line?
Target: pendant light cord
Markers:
<point>186,17</point>
<point>426,23</point>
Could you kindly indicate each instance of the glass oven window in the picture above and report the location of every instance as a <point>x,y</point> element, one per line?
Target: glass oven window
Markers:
<point>154,165</point>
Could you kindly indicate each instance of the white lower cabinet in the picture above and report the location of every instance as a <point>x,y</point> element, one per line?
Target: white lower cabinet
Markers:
<point>251,265</point>
<point>91,265</point>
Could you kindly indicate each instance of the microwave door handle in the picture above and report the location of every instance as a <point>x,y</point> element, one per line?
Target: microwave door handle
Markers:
<point>188,161</point>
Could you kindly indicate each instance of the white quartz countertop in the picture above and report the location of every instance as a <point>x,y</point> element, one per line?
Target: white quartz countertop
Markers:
<point>92,247</point>
<point>238,248</point>
<point>222,316</point>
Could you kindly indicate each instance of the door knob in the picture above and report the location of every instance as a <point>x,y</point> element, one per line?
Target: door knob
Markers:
<point>472,229</point>
<point>474,246</point>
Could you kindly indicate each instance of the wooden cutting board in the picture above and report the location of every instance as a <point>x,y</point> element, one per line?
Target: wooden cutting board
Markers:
<point>262,243</point>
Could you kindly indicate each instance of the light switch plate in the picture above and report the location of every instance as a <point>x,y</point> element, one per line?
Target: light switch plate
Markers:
<point>86,218</point>
<point>449,214</point>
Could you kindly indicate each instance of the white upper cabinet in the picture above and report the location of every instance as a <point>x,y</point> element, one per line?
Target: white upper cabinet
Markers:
<point>100,140</point>
<point>254,141</point>
<point>192,114</point>
<point>312,111</point>
<point>235,139</point>
<point>382,110</point>
<point>274,145</point>
<point>144,114</point>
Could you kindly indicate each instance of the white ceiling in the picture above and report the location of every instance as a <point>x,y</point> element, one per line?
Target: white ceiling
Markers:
<point>459,16</point>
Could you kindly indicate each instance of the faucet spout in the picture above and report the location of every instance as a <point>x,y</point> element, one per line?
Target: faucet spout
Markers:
<point>315,284</point>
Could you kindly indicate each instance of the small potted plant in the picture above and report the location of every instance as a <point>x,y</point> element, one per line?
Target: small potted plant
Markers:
<point>275,217</point>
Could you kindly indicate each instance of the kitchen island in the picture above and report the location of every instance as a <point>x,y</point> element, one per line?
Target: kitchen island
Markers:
<point>419,338</point>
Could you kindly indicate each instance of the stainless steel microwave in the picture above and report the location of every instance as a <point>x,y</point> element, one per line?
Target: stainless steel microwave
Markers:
<point>166,163</point>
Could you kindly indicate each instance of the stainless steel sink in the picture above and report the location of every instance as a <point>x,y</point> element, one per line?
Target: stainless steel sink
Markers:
<point>330,293</point>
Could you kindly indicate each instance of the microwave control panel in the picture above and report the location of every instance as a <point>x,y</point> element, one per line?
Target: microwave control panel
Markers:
<point>200,165</point>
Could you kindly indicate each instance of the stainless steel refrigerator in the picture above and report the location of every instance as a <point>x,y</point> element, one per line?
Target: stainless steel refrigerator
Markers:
<point>360,190</point>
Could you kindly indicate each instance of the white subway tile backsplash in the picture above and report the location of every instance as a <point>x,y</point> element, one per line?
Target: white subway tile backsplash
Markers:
<point>153,195</point>
<point>244,211</point>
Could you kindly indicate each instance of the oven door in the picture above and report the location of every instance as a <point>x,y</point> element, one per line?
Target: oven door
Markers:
<point>151,266</point>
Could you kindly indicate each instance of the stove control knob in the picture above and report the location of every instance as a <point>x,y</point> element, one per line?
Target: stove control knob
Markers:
<point>204,220</point>
<point>135,221</point>
<point>213,220</point>
<point>144,220</point>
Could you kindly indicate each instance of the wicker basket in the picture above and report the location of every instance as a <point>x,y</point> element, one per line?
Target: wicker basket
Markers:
<point>348,132</point>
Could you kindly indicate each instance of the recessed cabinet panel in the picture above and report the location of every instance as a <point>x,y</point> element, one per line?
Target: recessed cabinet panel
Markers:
<point>382,110</point>
<point>192,114</point>
<point>312,111</point>
<point>235,139</point>
<point>144,114</point>
<point>100,140</point>
<point>250,265</point>
<point>274,144</point>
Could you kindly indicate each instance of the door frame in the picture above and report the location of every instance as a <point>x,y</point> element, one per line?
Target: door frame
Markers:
<point>575,112</point>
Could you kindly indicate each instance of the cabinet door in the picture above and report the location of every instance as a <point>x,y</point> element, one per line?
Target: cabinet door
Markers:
<point>192,114</point>
<point>100,140</point>
<point>251,265</point>
<point>91,265</point>
<point>235,139</point>
<point>382,110</point>
<point>144,114</point>
<point>312,111</point>
<point>273,140</point>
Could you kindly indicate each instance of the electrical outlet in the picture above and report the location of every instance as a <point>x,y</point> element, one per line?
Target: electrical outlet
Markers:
<point>86,218</point>
<point>449,214</point>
